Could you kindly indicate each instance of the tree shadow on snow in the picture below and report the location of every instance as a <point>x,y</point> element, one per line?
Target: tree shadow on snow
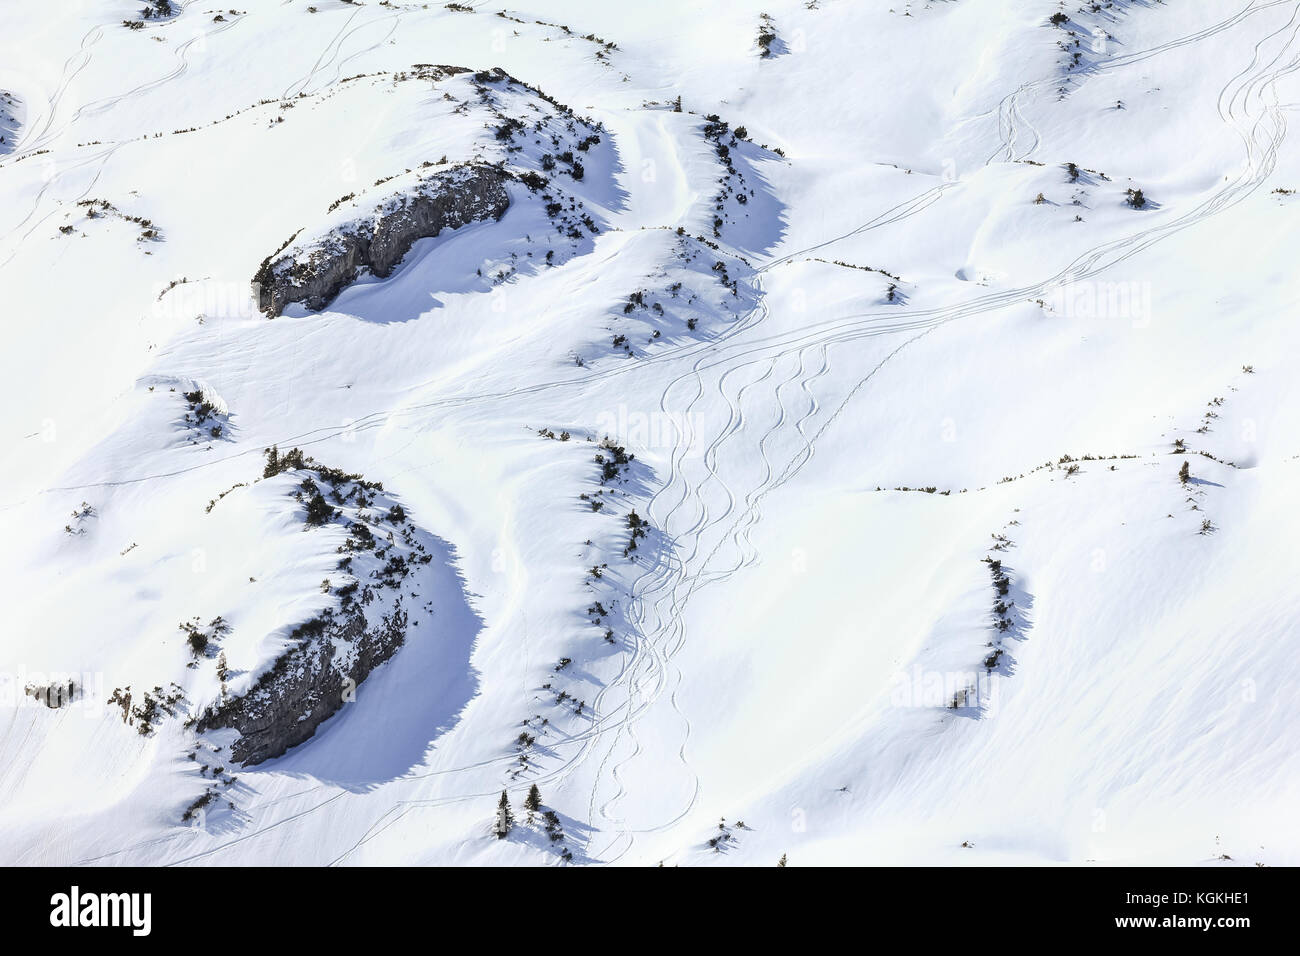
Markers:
<point>981,699</point>
<point>756,224</point>
<point>575,835</point>
<point>1096,44</point>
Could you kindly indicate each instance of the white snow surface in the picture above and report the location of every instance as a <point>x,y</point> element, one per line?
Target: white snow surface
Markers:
<point>929,332</point>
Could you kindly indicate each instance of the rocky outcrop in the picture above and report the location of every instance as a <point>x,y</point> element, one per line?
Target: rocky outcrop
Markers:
<point>314,273</point>
<point>278,704</point>
<point>308,684</point>
<point>9,125</point>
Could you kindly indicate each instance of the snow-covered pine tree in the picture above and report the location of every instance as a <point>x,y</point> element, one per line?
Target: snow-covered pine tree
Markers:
<point>505,819</point>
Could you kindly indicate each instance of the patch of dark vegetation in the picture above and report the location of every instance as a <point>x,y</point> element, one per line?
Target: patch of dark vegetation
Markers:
<point>145,710</point>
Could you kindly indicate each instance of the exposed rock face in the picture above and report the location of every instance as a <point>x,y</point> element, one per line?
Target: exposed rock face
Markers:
<point>307,685</point>
<point>314,273</point>
<point>362,627</point>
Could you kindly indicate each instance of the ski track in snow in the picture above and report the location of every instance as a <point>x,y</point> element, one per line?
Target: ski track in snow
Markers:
<point>100,159</point>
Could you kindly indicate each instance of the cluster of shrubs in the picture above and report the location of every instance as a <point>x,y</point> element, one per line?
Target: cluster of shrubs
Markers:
<point>200,410</point>
<point>504,820</point>
<point>733,183</point>
<point>637,525</point>
<point>1001,608</point>
<point>96,208</point>
<point>766,35</point>
<point>199,638</point>
<point>207,797</point>
<point>724,835</point>
<point>153,704</point>
<point>613,460</point>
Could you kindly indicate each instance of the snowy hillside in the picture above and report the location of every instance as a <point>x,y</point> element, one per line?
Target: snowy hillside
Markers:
<point>824,431</point>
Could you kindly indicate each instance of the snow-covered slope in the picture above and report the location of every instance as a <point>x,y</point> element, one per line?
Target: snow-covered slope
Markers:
<point>762,429</point>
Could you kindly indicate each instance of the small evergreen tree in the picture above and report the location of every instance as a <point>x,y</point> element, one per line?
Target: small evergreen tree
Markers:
<point>505,819</point>
<point>1185,473</point>
<point>781,862</point>
<point>533,803</point>
<point>552,822</point>
<point>318,510</point>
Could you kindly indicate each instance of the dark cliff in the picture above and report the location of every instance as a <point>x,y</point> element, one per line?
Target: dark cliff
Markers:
<point>314,272</point>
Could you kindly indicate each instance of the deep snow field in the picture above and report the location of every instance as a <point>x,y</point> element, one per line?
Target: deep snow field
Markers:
<point>847,322</point>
